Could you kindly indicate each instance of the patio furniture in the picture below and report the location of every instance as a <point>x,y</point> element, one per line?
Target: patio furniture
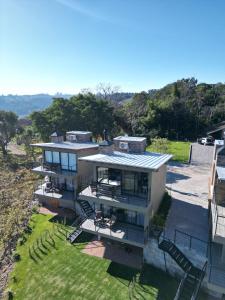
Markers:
<point>111,221</point>
<point>98,217</point>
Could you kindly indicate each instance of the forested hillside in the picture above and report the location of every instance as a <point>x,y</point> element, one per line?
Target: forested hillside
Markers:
<point>23,105</point>
<point>180,110</point>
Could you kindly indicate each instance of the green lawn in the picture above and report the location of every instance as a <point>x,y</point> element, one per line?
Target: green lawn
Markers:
<point>62,271</point>
<point>179,150</point>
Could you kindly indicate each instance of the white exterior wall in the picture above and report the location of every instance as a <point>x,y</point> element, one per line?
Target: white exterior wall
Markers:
<point>158,182</point>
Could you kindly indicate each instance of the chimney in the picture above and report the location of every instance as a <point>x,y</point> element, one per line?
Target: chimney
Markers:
<point>56,137</point>
<point>79,136</point>
<point>130,144</point>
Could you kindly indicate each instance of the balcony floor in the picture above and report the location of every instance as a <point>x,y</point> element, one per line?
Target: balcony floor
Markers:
<point>66,195</point>
<point>122,232</point>
<point>130,200</point>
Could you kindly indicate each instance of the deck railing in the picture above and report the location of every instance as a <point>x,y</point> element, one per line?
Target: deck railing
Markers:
<point>114,192</point>
<point>191,242</point>
<point>215,215</point>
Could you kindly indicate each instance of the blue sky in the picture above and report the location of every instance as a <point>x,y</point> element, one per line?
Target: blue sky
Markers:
<point>67,45</point>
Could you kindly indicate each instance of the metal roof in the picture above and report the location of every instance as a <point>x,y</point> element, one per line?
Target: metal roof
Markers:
<point>147,160</point>
<point>221,173</point>
<point>66,145</point>
<point>78,132</point>
<point>130,138</point>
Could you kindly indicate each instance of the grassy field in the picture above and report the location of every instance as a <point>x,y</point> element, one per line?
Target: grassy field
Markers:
<point>62,271</point>
<point>179,150</point>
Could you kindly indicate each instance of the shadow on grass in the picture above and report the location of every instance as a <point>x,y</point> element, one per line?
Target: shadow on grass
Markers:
<point>62,220</point>
<point>82,240</point>
<point>122,273</point>
<point>165,285</point>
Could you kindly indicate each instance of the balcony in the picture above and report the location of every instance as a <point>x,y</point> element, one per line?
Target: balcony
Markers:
<point>112,195</point>
<point>53,170</point>
<point>123,232</point>
<point>61,197</point>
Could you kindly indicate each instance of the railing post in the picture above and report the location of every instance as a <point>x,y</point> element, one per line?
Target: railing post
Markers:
<point>175,236</point>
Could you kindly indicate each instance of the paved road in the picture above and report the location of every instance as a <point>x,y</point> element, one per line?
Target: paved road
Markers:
<point>188,186</point>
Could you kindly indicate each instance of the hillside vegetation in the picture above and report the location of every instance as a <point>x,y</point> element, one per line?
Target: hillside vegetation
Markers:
<point>180,110</point>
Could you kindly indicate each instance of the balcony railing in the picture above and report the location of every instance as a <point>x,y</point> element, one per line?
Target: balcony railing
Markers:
<point>114,192</point>
<point>215,217</point>
<point>56,169</point>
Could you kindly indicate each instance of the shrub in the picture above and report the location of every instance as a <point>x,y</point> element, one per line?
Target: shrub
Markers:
<point>28,230</point>
<point>16,256</point>
<point>10,295</point>
<point>35,209</point>
<point>22,240</point>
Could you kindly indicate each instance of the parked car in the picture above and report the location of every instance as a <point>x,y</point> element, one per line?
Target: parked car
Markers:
<point>206,140</point>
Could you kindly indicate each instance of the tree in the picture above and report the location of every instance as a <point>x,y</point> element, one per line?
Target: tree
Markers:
<point>8,126</point>
<point>106,90</point>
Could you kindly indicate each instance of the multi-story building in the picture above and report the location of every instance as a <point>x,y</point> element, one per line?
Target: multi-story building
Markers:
<point>127,189</point>
<point>62,172</point>
<point>217,197</point>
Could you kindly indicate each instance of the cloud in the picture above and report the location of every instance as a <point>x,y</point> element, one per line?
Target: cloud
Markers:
<point>77,7</point>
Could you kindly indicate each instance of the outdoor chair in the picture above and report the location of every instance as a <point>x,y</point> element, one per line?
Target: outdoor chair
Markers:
<point>98,217</point>
<point>112,221</point>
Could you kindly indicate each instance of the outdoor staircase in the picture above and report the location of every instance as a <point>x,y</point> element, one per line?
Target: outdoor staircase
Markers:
<point>74,235</point>
<point>86,207</point>
<point>190,284</point>
<point>176,254</point>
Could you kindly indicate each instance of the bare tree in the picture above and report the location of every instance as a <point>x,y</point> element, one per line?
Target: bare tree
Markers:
<point>106,90</point>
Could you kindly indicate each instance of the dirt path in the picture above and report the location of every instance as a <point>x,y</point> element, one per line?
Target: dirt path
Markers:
<point>16,149</point>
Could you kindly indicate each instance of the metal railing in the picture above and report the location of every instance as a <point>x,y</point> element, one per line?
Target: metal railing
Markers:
<point>58,169</point>
<point>191,242</point>
<point>215,215</point>
<point>217,275</point>
<point>114,192</point>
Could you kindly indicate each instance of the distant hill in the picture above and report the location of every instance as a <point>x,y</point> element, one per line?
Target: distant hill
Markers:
<point>26,104</point>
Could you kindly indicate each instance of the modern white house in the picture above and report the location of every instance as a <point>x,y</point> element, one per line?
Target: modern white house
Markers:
<point>127,189</point>
<point>62,172</point>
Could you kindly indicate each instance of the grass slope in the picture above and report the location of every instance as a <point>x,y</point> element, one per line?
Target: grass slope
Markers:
<point>179,150</point>
<point>64,272</point>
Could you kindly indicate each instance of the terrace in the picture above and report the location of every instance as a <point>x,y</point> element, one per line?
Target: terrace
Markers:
<point>122,232</point>
<point>65,198</point>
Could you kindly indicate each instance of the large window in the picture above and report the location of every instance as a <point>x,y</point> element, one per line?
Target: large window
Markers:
<point>67,161</point>
<point>135,183</point>
<point>48,156</point>
<point>55,157</point>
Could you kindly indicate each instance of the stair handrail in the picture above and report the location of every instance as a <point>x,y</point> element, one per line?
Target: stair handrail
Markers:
<point>191,237</point>
<point>203,271</point>
<point>211,267</point>
<point>180,287</point>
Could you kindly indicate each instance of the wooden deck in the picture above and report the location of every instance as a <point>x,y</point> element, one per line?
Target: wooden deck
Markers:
<point>122,232</point>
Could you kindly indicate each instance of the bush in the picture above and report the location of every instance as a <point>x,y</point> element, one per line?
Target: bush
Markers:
<point>10,295</point>
<point>22,240</point>
<point>35,209</point>
<point>16,256</point>
<point>28,230</point>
